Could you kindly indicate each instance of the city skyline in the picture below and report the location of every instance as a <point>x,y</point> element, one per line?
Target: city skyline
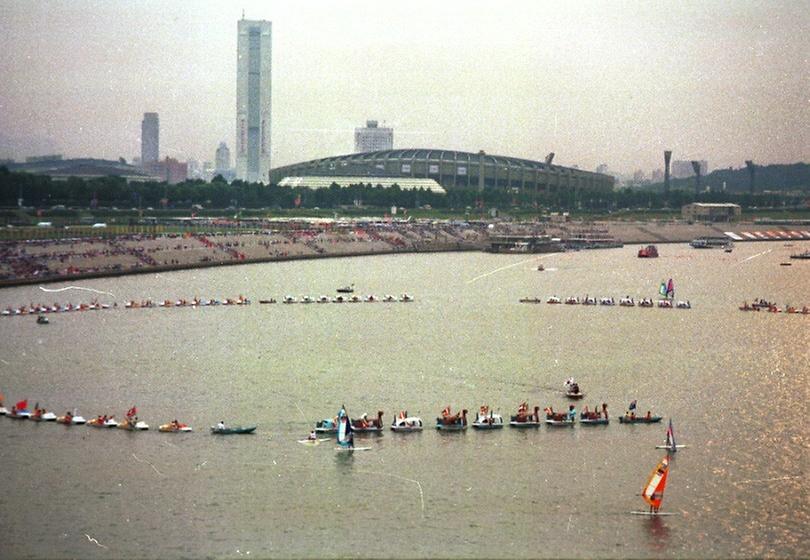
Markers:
<point>615,83</point>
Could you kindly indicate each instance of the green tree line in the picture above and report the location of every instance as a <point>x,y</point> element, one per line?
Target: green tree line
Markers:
<point>43,192</point>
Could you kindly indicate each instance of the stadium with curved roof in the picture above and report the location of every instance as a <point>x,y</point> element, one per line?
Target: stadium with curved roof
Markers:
<point>452,170</point>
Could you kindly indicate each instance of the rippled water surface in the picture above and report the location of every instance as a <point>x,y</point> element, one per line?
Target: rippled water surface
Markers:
<point>736,385</point>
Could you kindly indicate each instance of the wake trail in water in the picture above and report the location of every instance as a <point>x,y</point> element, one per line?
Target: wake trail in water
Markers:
<point>755,256</point>
<point>506,267</point>
<point>56,290</point>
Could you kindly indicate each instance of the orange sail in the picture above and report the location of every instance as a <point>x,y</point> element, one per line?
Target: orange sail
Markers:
<point>653,492</point>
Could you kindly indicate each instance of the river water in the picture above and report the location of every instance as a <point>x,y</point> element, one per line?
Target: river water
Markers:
<point>735,385</point>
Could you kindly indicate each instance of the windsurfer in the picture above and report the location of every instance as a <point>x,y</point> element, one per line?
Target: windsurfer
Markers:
<point>312,436</point>
<point>221,425</point>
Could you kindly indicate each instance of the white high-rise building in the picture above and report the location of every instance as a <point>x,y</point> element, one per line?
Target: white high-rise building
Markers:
<point>253,79</point>
<point>373,138</point>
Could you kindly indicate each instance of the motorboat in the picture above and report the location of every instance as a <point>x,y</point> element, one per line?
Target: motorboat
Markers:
<point>338,299</point>
<point>346,289</point>
<point>572,390</point>
<point>71,420</point>
<point>307,299</point>
<point>355,299</point>
<point>485,419</point>
<point>271,300</point>
<point>42,320</point>
<point>363,425</point>
<point>22,414</point>
<point>540,267</point>
<point>102,422</point>
<point>648,252</point>
<point>326,426</point>
<point>370,299</point>
<point>324,299</point>
<point>452,422</point>
<point>525,420</point>
<point>389,298</point>
<point>405,298</point>
<point>41,415</point>
<point>561,418</point>
<point>133,425</point>
<point>594,417</point>
<point>530,300</point>
<point>3,411</point>
<point>174,427</point>
<point>406,424</point>
<point>553,300</point>
<point>288,299</point>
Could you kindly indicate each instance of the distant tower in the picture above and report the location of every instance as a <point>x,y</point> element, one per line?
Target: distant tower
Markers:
<point>253,80</point>
<point>150,139</point>
<point>751,168</point>
<point>223,158</point>
<point>373,138</point>
<point>696,167</point>
<point>667,158</point>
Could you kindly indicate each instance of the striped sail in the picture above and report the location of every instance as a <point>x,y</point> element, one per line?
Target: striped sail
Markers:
<point>344,437</point>
<point>653,492</point>
<point>671,438</point>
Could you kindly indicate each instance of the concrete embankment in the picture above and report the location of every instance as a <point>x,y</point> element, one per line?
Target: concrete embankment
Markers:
<point>59,260</point>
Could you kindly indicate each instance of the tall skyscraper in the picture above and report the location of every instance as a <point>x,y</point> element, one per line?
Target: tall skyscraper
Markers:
<point>373,138</point>
<point>150,138</point>
<point>223,158</point>
<point>253,79</point>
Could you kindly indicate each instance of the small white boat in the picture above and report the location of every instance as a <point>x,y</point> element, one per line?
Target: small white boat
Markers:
<point>589,300</point>
<point>127,425</point>
<point>3,411</point>
<point>370,299</point>
<point>405,298</point>
<point>288,299</point>
<point>487,420</point>
<point>607,301</point>
<point>683,305</point>
<point>627,302</point>
<point>307,299</point>
<point>338,299</point>
<point>389,298</point>
<point>405,424</point>
<point>48,417</point>
<point>355,299</point>
<point>71,420</point>
<point>324,299</point>
<point>553,299</point>
<point>664,304</point>
<point>572,301</point>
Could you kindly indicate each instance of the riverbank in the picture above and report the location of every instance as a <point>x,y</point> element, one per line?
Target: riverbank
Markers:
<point>57,260</point>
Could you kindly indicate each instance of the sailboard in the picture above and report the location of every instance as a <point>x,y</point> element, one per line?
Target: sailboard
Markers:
<point>351,449</point>
<point>345,435</point>
<point>653,492</point>
<point>670,445</point>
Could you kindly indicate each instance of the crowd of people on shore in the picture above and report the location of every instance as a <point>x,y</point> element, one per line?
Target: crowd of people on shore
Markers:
<point>22,261</point>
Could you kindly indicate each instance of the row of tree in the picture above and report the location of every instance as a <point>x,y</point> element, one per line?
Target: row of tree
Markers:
<point>42,191</point>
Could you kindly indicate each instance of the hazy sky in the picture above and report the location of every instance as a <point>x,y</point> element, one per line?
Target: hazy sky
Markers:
<point>614,82</point>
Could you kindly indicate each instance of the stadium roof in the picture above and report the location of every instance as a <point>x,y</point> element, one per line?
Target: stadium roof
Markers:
<point>404,183</point>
